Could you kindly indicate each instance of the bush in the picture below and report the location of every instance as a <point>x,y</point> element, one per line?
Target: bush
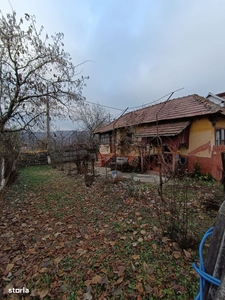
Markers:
<point>197,173</point>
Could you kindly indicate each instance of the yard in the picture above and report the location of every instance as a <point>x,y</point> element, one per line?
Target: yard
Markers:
<point>63,240</point>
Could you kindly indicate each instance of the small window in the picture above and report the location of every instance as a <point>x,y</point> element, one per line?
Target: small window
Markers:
<point>220,136</point>
<point>104,139</point>
<point>130,137</point>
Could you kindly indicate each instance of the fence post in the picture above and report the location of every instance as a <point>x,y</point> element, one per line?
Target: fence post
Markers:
<point>223,172</point>
<point>2,173</point>
<point>215,260</point>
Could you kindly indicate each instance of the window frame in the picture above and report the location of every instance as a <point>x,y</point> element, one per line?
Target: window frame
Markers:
<point>105,139</point>
<point>220,136</point>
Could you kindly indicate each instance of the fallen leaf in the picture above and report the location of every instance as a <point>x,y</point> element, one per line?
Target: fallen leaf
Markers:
<point>148,289</point>
<point>119,280</point>
<point>149,270</point>
<point>112,243</point>
<point>57,260</point>
<point>6,279</point>
<point>187,254</point>
<point>6,289</point>
<point>31,251</point>
<point>9,267</point>
<point>42,293</point>
<point>139,288</point>
<point>43,270</point>
<point>132,266</point>
<point>65,288</point>
<point>176,246</point>
<point>87,282</point>
<point>33,293</point>
<point>176,254</point>
<point>154,246</point>
<point>135,256</point>
<point>121,270</point>
<point>15,259</point>
<point>117,291</point>
<point>81,251</point>
<point>96,279</point>
<point>19,272</point>
<point>143,232</point>
<point>102,231</point>
<point>165,239</point>
<point>88,296</point>
<point>104,280</point>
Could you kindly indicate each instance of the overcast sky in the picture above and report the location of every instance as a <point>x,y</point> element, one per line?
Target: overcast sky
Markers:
<point>140,50</point>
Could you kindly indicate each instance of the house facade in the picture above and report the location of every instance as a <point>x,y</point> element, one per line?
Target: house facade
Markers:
<point>189,130</point>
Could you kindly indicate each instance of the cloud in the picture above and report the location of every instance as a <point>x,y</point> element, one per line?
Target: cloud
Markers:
<point>141,50</point>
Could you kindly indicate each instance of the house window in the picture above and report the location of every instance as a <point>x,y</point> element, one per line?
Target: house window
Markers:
<point>130,137</point>
<point>220,136</point>
<point>105,139</point>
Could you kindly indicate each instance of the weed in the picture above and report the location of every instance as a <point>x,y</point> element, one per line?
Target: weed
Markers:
<point>72,296</point>
<point>197,174</point>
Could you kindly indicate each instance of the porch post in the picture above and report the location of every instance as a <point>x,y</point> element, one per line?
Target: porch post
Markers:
<point>223,172</point>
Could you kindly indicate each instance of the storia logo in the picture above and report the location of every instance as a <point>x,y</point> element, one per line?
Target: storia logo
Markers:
<point>18,291</point>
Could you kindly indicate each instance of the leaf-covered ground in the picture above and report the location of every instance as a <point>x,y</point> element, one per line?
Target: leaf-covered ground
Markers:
<point>63,240</point>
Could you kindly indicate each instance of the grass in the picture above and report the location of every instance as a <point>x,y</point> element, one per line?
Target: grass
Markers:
<point>35,177</point>
<point>103,242</point>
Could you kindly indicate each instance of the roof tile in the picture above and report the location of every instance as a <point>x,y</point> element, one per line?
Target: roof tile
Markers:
<point>179,108</point>
<point>170,129</point>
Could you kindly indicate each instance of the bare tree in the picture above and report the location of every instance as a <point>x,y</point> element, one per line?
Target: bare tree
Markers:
<point>34,70</point>
<point>91,116</point>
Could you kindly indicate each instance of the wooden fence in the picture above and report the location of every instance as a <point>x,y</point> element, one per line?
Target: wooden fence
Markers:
<point>57,156</point>
<point>216,161</point>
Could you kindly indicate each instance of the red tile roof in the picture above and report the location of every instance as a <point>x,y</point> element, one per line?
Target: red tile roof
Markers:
<point>179,108</point>
<point>169,129</point>
<point>221,95</point>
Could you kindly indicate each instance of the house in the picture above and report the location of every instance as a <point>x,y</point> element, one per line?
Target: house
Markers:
<point>187,130</point>
<point>217,98</point>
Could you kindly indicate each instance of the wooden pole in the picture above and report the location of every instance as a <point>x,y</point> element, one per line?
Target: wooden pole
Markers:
<point>223,172</point>
<point>215,260</point>
<point>48,131</point>
<point>221,290</point>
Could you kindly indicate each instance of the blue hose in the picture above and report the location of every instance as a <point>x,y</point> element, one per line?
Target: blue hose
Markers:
<point>201,270</point>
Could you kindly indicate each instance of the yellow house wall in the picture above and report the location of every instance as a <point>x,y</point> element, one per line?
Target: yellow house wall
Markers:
<point>104,149</point>
<point>201,133</point>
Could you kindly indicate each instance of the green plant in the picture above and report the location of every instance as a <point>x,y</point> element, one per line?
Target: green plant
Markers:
<point>197,174</point>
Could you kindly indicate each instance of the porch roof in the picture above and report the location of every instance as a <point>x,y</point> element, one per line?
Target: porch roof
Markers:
<point>168,129</point>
